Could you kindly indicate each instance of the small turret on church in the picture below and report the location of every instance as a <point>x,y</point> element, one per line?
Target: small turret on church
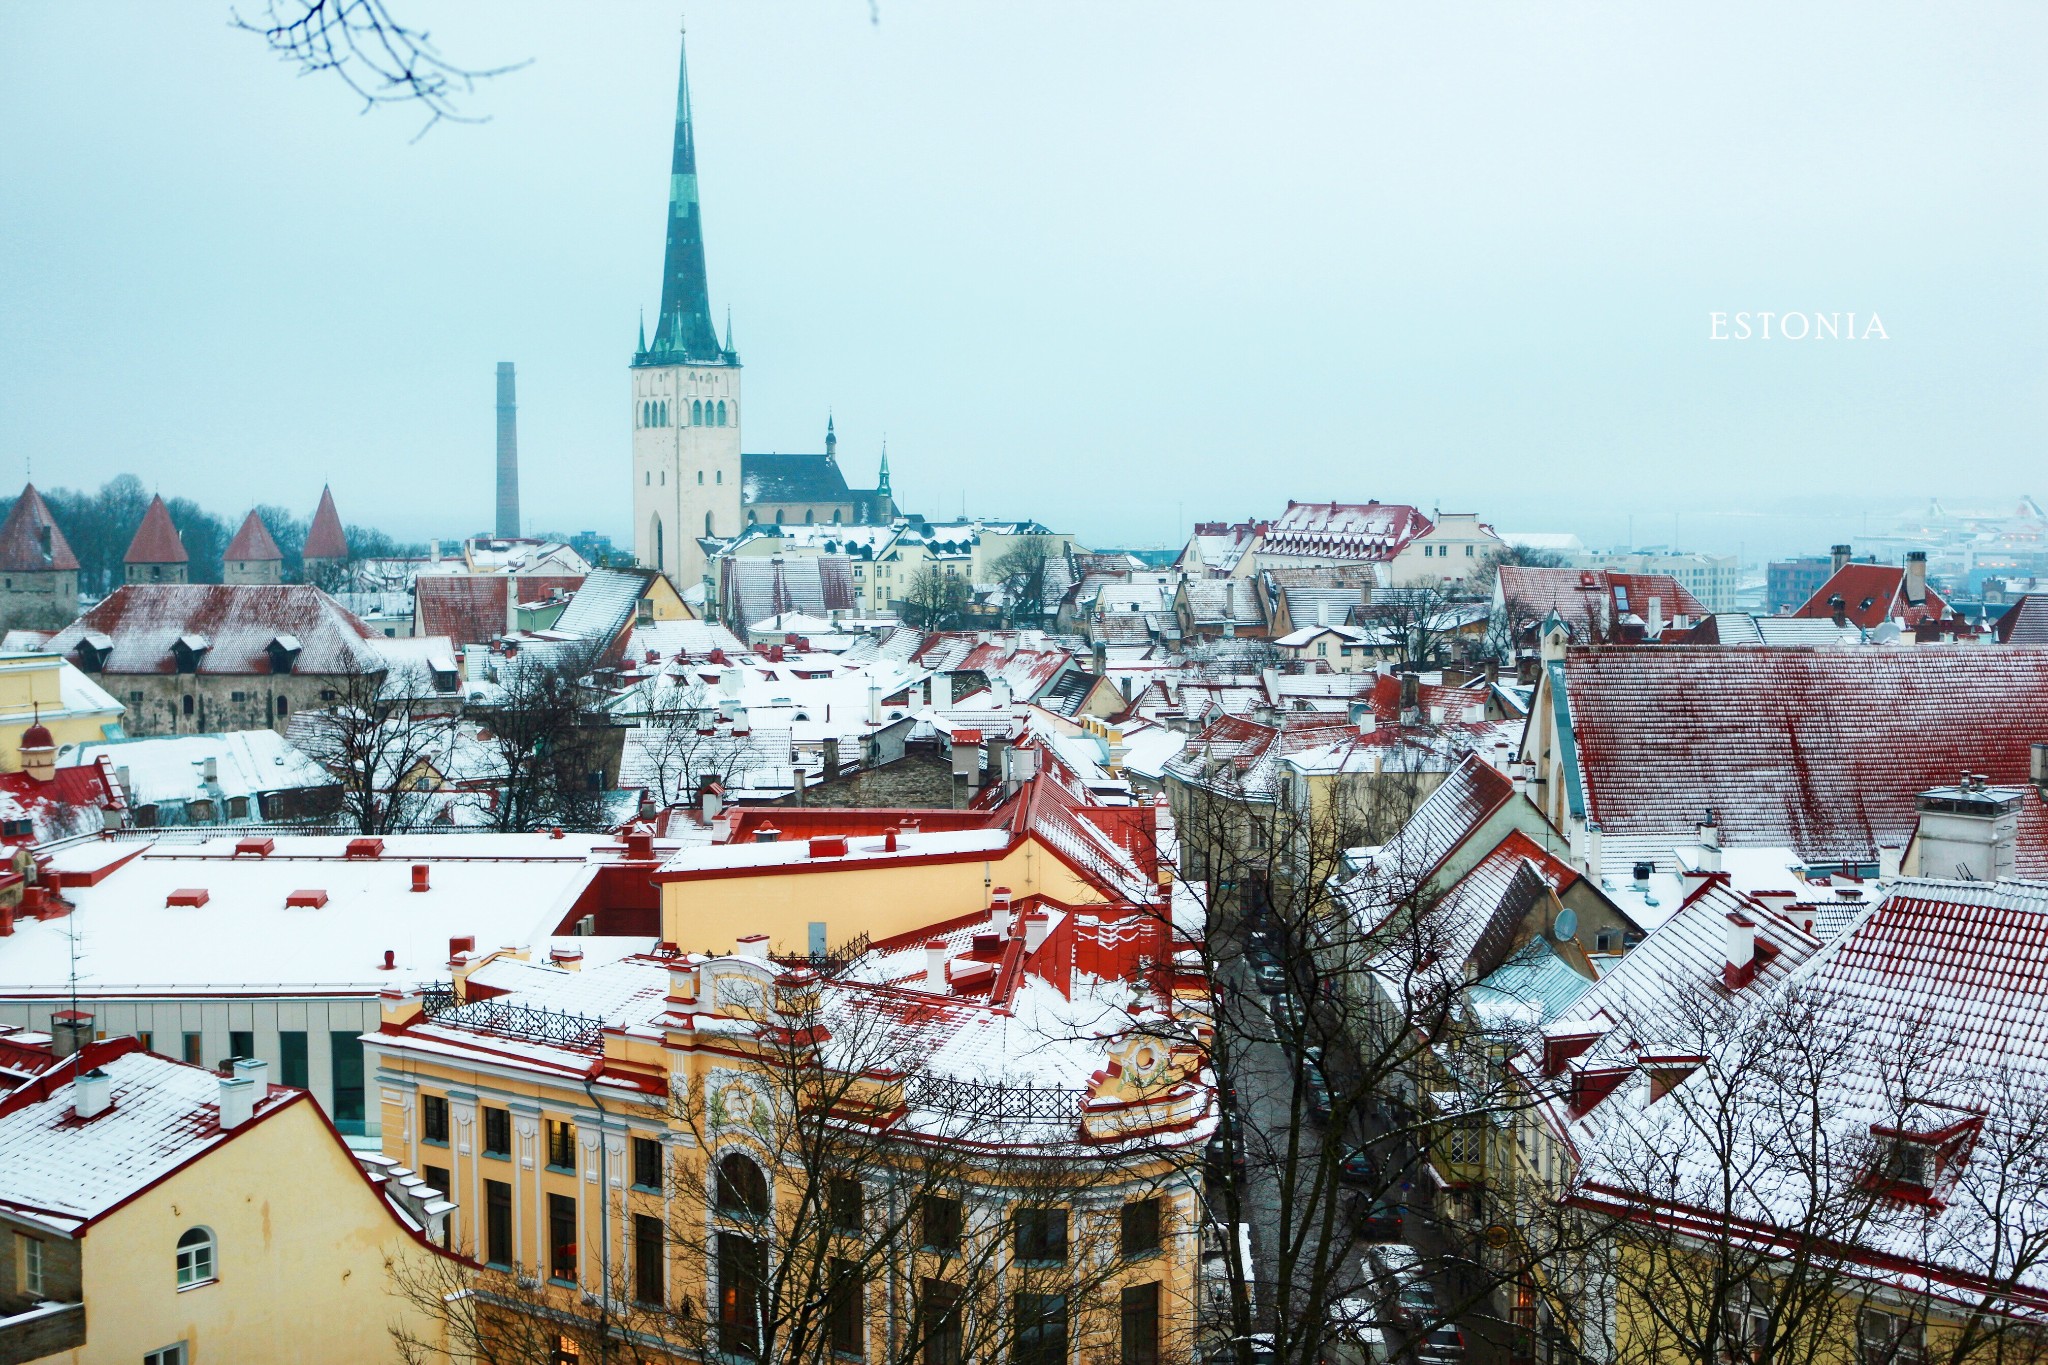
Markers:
<point>252,557</point>
<point>157,553</point>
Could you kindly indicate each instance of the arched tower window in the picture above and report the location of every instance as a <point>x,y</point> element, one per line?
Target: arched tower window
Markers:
<point>664,412</point>
<point>721,412</point>
<point>707,525</point>
<point>742,1189</point>
<point>696,413</point>
<point>810,516</point>
<point>778,522</point>
<point>700,478</point>
<point>656,536</point>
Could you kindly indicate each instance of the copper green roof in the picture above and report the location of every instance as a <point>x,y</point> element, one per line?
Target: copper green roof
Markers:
<point>684,333</point>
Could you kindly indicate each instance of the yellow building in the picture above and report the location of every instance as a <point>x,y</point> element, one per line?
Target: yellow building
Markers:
<point>71,706</point>
<point>910,1128</point>
<point>157,1212</point>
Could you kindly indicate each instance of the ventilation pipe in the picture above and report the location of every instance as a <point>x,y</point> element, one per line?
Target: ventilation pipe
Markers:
<point>92,1093</point>
<point>999,910</point>
<point>1710,844</point>
<point>935,965</point>
<point>1741,946</point>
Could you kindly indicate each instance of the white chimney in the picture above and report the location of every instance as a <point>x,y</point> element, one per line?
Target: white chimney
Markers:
<point>754,947</point>
<point>1741,943</point>
<point>729,681</point>
<point>1323,613</point>
<point>256,1071</point>
<point>874,702</point>
<point>999,693</point>
<point>1654,627</point>
<point>1037,924</point>
<point>1889,857</point>
<point>91,1093</point>
<point>935,966</point>
<point>1710,844</point>
<point>237,1102</point>
<point>999,911</point>
<point>942,690</point>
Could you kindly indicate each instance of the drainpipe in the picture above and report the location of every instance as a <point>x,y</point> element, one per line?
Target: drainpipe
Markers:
<point>604,1225</point>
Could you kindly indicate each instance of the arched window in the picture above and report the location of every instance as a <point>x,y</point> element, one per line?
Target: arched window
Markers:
<point>654,534</point>
<point>188,706</point>
<point>718,477</point>
<point>284,705</point>
<point>662,416</point>
<point>707,525</point>
<point>188,700</point>
<point>195,1258</point>
<point>696,413</point>
<point>649,477</point>
<point>810,516</point>
<point>664,478</point>
<point>700,478</point>
<point>721,412</point>
<point>741,1186</point>
<point>751,518</point>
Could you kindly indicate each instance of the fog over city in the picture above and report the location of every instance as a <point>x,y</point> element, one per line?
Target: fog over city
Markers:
<point>1118,269</point>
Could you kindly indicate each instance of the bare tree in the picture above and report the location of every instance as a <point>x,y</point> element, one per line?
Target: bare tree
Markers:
<point>936,600</point>
<point>557,748</point>
<point>385,737</point>
<point>679,742</point>
<point>1020,573</point>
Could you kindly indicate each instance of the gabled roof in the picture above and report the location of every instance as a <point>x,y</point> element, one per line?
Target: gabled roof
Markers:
<point>470,608</point>
<point>143,620</point>
<point>1344,530</point>
<point>1819,750</point>
<point>325,538</point>
<point>30,541</point>
<point>1872,594</point>
<point>1581,596</point>
<point>754,589</point>
<point>156,540</point>
<point>2025,622</point>
<point>791,478</point>
<point>604,607</point>
<point>252,542</point>
<point>65,1172</point>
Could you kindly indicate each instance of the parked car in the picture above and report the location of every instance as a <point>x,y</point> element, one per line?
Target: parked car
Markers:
<point>1441,1345</point>
<point>1392,1262</point>
<point>1224,1158</point>
<point>1270,977</point>
<point>1354,1335</point>
<point>1355,1166</point>
<point>1413,1302</point>
<point>1375,1220</point>
<point>1318,1096</point>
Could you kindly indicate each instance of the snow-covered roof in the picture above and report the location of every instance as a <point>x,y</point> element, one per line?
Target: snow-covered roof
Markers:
<point>238,624</point>
<point>173,768</point>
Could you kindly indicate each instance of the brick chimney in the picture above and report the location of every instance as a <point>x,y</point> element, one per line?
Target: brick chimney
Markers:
<point>1916,577</point>
<point>1838,556</point>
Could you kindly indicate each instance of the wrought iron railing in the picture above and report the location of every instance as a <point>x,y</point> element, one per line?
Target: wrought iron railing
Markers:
<point>830,963</point>
<point>554,1028</point>
<point>993,1103</point>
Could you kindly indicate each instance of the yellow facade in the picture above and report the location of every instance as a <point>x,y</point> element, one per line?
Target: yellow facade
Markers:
<point>878,898</point>
<point>34,686</point>
<point>301,1244</point>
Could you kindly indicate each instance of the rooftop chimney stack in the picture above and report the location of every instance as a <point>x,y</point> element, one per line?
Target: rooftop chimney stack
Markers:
<point>92,1093</point>
<point>1710,844</point>
<point>1916,576</point>
<point>935,965</point>
<point>2037,766</point>
<point>237,1102</point>
<point>1741,945</point>
<point>508,455</point>
<point>1037,924</point>
<point>1839,557</point>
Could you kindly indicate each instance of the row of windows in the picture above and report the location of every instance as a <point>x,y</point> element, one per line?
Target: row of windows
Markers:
<point>647,477</point>
<point>704,412</point>
<point>1444,551</point>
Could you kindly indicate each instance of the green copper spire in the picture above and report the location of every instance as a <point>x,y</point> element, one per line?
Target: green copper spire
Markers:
<point>882,483</point>
<point>684,333</point>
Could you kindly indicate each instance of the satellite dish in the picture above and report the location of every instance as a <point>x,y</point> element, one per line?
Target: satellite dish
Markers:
<point>1567,926</point>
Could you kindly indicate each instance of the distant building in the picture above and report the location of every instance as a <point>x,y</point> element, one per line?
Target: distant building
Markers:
<point>38,572</point>
<point>243,777</point>
<point>811,490</point>
<point>157,553</point>
<point>252,557</point>
<point>325,554</point>
<point>1789,582</point>
<point>42,690</point>
<point>1713,580</point>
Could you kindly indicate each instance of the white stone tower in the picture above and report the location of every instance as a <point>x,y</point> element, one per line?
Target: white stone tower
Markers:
<point>686,395</point>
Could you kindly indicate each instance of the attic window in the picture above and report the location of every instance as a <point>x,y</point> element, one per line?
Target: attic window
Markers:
<point>1920,1155</point>
<point>284,653</point>
<point>188,650</point>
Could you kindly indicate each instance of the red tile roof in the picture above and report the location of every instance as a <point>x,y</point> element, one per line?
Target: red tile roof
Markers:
<point>1872,594</point>
<point>1583,595</point>
<point>1822,750</point>
<point>324,538</point>
<point>156,540</point>
<point>2025,622</point>
<point>252,542</point>
<point>237,623</point>
<point>470,608</point>
<point>30,541</point>
<point>1345,530</point>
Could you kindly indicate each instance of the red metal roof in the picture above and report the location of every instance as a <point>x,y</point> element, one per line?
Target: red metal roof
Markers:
<point>1822,750</point>
<point>156,540</point>
<point>1872,594</point>
<point>30,541</point>
<point>1345,530</point>
<point>252,542</point>
<point>324,538</point>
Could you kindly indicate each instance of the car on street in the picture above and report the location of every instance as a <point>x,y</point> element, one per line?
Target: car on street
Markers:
<point>1440,1345</point>
<point>1355,1166</point>
<point>1374,1220</point>
<point>1223,1158</point>
<point>1317,1094</point>
<point>1414,1301</point>
<point>1270,977</point>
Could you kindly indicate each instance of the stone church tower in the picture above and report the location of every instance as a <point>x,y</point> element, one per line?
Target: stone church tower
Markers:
<point>686,394</point>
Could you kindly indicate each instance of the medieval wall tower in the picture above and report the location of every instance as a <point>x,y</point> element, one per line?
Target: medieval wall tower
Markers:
<point>685,408</point>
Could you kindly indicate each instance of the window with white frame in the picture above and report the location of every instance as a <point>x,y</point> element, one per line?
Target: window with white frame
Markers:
<point>29,1256</point>
<point>195,1258</point>
<point>167,1355</point>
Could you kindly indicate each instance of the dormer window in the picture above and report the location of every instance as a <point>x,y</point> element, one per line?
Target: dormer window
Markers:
<point>1918,1158</point>
<point>188,650</point>
<point>284,653</point>
<point>93,650</point>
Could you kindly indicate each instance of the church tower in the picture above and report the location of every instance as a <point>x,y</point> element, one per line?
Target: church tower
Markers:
<point>686,394</point>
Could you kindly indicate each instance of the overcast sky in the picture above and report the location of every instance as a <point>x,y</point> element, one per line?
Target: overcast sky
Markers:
<point>1117,267</point>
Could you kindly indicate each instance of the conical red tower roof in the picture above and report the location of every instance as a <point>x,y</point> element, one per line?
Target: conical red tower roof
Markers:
<point>252,542</point>
<point>30,541</point>
<point>156,540</point>
<point>324,538</point>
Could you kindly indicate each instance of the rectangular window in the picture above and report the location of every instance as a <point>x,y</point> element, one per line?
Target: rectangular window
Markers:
<point>437,1176</point>
<point>195,1049</point>
<point>942,1223</point>
<point>1038,1331</point>
<point>167,1355</point>
<point>846,1309</point>
<point>241,1045</point>
<point>1041,1236</point>
<point>939,1322</point>
<point>842,1203</point>
<point>561,1144</point>
<point>345,1057</point>
<point>433,1119</point>
<point>291,1059</point>
<point>498,1223</point>
<point>649,1263</point>
<point>1141,1227</point>
<point>562,1238</point>
<point>1141,1324</point>
<point>28,1254</point>
<point>497,1132</point>
<point>742,1266</point>
<point>647,1163</point>
<point>147,1039</point>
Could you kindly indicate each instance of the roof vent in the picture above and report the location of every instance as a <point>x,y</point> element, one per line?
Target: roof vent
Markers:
<point>419,877</point>
<point>237,1102</point>
<point>364,848</point>
<point>828,846</point>
<point>767,834</point>
<point>305,900</point>
<point>190,896</point>
<point>260,848</point>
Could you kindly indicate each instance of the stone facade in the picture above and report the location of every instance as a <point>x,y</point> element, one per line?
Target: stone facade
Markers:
<point>686,470</point>
<point>200,703</point>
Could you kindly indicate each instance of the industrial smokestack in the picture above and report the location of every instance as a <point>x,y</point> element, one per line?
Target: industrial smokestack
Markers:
<point>508,454</point>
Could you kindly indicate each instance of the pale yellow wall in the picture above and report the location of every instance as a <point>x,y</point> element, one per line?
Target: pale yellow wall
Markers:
<point>666,603</point>
<point>301,1244</point>
<point>879,901</point>
<point>31,684</point>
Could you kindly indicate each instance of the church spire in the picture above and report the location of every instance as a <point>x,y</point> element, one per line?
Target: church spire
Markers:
<point>882,482</point>
<point>684,332</point>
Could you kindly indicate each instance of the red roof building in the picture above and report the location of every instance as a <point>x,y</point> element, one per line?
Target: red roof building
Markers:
<point>1372,531</point>
<point>252,556</point>
<point>30,541</point>
<point>325,538</point>
<point>1595,604</point>
<point>157,553</point>
<point>473,609</point>
<point>218,628</point>
<point>1871,594</point>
